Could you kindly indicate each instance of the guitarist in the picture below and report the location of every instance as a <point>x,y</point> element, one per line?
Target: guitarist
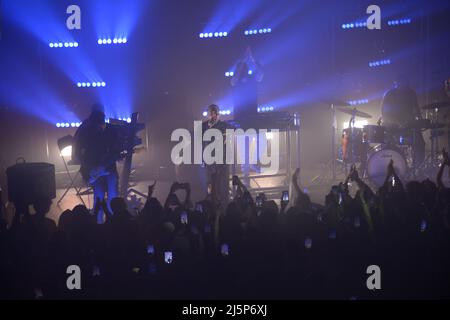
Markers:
<point>97,148</point>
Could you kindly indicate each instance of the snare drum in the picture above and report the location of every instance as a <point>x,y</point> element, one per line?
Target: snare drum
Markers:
<point>374,134</point>
<point>378,161</point>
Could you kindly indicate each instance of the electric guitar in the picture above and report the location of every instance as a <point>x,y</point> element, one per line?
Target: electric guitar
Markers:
<point>92,174</point>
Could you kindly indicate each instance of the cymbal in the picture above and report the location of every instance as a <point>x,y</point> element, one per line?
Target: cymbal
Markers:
<point>336,102</point>
<point>437,105</point>
<point>354,112</point>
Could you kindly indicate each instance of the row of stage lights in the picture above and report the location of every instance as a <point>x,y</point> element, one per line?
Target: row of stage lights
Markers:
<point>75,44</point>
<point>398,22</point>
<point>260,31</point>
<point>225,34</point>
<point>77,124</point>
<point>228,112</point>
<point>213,34</point>
<point>112,41</point>
<point>358,102</point>
<point>353,25</point>
<point>63,44</point>
<point>231,73</point>
<point>265,109</point>
<point>379,63</point>
<point>68,125</point>
<point>221,112</point>
<point>91,84</point>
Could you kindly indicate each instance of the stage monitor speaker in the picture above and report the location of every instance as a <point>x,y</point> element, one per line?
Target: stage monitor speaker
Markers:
<point>30,181</point>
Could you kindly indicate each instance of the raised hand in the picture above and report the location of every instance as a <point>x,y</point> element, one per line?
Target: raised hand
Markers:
<point>151,188</point>
<point>296,175</point>
<point>98,205</point>
<point>353,173</point>
<point>446,159</point>
<point>390,168</point>
<point>236,181</point>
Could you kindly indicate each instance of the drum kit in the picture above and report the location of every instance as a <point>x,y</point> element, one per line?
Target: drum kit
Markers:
<point>373,146</point>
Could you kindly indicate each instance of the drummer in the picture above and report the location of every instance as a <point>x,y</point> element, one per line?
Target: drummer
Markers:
<point>400,107</point>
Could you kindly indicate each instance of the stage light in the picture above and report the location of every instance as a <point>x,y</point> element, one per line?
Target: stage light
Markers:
<point>128,120</point>
<point>205,113</point>
<point>109,41</point>
<point>89,84</point>
<point>259,31</point>
<point>399,22</point>
<point>211,35</point>
<point>250,72</point>
<point>99,41</point>
<point>58,125</point>
<point>115,40</point>
<point>265,108</point>
<point>352,25</point>
<point>66,151</point>
<point>358,102</point>
<point>119,40</point>
<point>379,63</point>
<point>65,44</point>
<point>124,40</point>
<point>72,124</point>
<point>78,124</point>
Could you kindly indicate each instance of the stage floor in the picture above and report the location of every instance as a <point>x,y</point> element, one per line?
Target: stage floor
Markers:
<point>316,191</point>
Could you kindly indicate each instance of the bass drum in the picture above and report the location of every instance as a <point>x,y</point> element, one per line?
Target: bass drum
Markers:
<point>378,162</point>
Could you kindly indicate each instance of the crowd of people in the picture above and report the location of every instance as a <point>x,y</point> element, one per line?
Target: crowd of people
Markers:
<point>248,249</point>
